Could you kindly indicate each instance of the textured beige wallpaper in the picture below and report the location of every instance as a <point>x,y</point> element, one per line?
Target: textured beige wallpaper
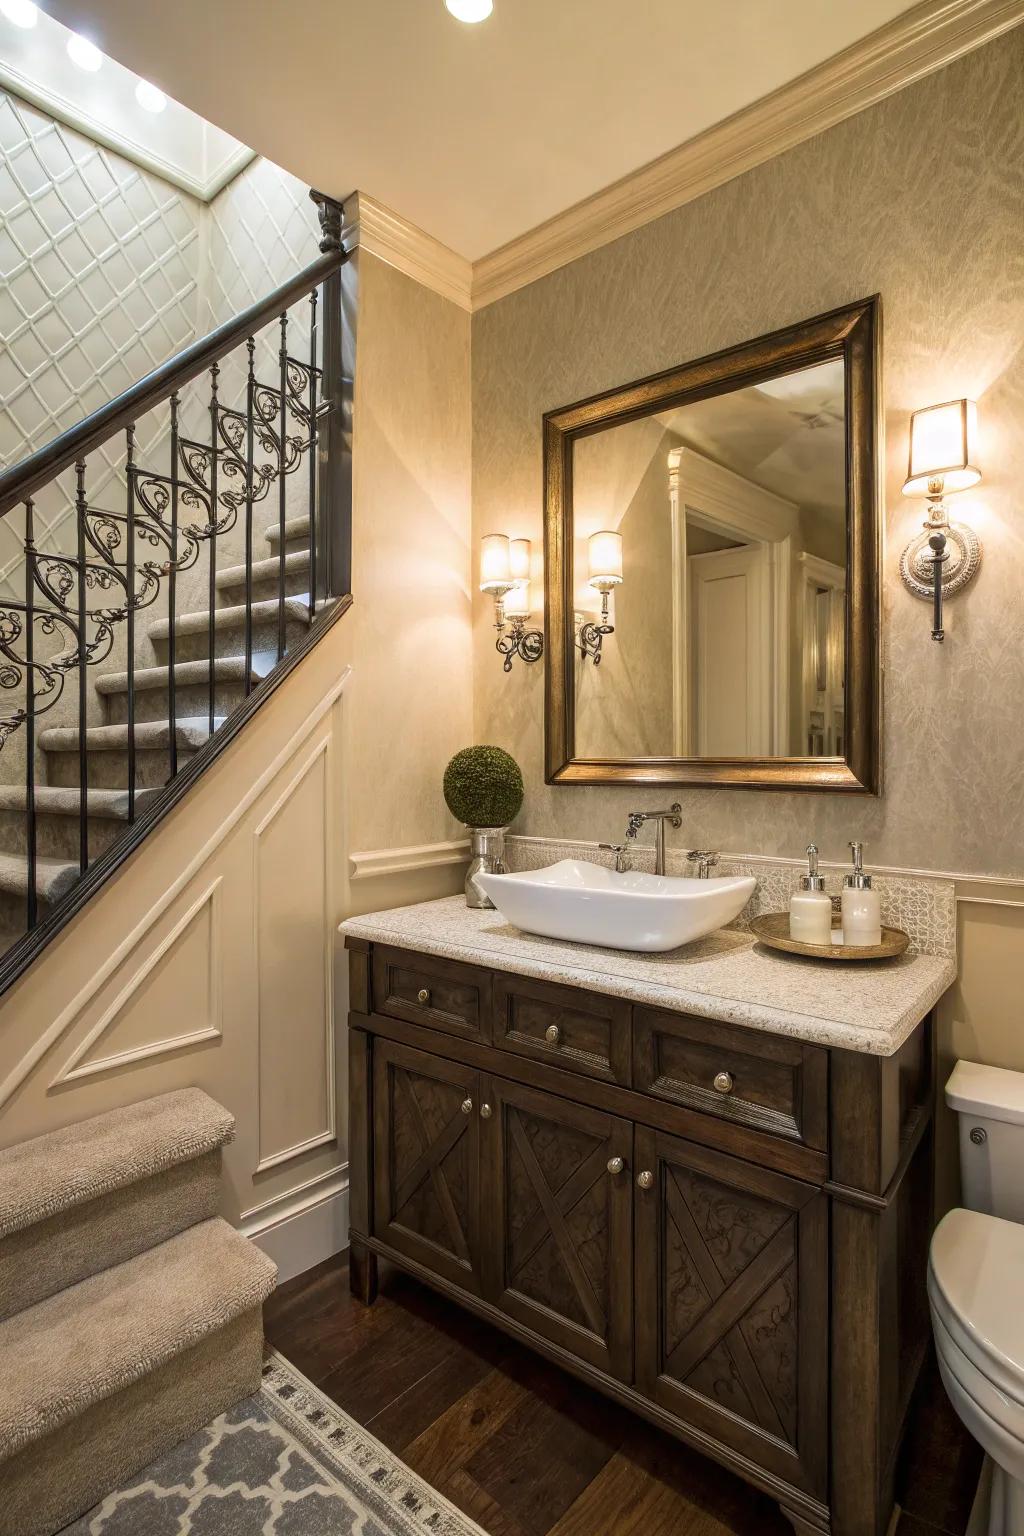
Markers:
<point>922,200</point>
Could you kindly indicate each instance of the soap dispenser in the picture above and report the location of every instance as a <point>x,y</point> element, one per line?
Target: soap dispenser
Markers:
<point>810,910</point>
<point>862,906</point>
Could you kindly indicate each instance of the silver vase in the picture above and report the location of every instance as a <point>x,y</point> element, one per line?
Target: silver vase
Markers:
<point>487,857</point>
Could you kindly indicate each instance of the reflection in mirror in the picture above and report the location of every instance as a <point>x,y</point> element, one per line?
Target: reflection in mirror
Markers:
<point>729,623</point>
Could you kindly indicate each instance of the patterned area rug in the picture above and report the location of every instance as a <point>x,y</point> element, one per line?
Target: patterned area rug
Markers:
<point>286,1462</point>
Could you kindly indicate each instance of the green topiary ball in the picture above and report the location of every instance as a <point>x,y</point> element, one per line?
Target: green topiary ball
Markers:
<point>483,787</point>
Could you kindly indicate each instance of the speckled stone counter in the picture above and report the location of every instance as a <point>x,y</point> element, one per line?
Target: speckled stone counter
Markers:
<point>870,1007</point>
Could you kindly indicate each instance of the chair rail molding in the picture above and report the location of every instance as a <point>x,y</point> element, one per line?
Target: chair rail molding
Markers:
<point>400,861</point>
<point>917,43</point>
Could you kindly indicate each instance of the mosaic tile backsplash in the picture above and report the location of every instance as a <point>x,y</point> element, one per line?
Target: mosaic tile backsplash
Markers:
<point>923,908</point>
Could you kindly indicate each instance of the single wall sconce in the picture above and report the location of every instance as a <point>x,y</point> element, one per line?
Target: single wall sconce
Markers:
<point>604,552</point>
<point>505,575</point>
<point>945,557</point>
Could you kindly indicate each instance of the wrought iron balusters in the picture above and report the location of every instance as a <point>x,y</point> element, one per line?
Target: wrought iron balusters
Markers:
<point>130,562</point>
<point>214,516</point>
<point>282,485</point>
<point>172,579</point>
<point>30,716</point>
<point>81,510</point>
<point>314,451</point>
<point>250,474</point>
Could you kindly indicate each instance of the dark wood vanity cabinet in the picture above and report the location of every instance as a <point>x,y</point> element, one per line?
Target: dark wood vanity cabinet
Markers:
<point>740,1261</point>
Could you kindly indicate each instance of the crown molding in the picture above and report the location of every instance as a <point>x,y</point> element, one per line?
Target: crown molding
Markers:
<point>372,227</point>
<point>922,40</point>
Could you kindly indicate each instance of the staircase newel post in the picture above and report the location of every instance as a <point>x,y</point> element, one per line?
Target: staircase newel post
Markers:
<point>333,530</point>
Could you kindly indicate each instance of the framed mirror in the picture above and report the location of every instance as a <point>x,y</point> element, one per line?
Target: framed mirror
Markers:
<point>712,569</point>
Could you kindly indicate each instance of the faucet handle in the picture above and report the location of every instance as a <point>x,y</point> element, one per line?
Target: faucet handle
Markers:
<point>704,860</point>
<point>621,852</point>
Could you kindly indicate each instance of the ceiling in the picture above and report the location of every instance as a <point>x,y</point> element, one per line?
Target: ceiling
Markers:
<point>475,133</point>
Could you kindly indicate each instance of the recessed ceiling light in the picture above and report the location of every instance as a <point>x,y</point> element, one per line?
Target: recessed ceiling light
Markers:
<point>470,10</point>
<point>149,98</point>
<point>83,53</point>
<point>21,12</point>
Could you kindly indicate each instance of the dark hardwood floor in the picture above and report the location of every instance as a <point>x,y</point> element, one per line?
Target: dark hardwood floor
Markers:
<point>526,1450</point>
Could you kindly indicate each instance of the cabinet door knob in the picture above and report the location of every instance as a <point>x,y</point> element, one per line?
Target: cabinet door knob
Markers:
<point>645,1180</point>
<point>467,1106</point>
<point>486,1111</point>
<point>615,1165</point>
<point>423,996</point>
<point>723,1082</point>
<point>552,1034</point>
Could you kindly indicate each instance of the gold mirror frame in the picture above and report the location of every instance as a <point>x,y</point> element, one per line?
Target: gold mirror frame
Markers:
<point>853,334</point>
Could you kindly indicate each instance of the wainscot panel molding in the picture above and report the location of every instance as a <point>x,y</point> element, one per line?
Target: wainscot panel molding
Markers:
<point>304,1226</point>
<point>187,965</point>
<point>293,950</point>
<point>372,227</point>
<point>399,861</point>
<point>922,40</point>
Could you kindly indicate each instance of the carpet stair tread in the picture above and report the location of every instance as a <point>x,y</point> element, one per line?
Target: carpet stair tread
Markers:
<point>67,1167</point>
<point>96,1338</point>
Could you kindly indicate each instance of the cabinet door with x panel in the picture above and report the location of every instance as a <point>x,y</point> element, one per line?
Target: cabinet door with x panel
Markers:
<point>558,1222</point>
<point>426,1146</point>
<point>732,1303</point>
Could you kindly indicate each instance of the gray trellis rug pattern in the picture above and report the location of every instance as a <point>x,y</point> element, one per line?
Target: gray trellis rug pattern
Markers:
<point>287,1462</point>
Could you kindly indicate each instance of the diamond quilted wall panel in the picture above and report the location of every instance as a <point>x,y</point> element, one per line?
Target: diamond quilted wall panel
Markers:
<point>99,264</point>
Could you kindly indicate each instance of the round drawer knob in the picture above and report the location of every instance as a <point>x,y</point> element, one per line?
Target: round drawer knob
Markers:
<point>552,1034</point>
<point>615,1165</point>
<point>486,1111</point>
<point>645,1180</point>
<point>423,996</point>
<point>467,1106</point>
<point>723,1082</point>
<point>979,1135</point>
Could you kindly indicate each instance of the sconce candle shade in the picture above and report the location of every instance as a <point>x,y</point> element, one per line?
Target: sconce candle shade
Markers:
<point>495,563</point>
<point>519,556</point>
<point>604,552</point>
<point>943,441</point>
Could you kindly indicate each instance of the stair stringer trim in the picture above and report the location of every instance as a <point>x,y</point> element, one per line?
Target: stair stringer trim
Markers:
<point>67,1017</point>
<point>76,1067</point>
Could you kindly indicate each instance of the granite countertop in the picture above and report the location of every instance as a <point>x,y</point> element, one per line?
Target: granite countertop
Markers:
<point>870,1006</point>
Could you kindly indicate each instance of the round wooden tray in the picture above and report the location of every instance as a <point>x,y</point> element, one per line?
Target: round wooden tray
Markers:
<point>773,929</point>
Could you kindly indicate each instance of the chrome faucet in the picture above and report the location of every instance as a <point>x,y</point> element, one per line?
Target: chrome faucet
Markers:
<point>636,821</point>
<point>704,860</point>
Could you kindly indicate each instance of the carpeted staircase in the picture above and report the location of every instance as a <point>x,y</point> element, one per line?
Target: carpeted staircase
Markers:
<point>130,1313</point>
<point>57,794</point>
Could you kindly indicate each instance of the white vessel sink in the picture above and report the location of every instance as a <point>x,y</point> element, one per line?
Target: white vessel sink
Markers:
<point>593,905</point>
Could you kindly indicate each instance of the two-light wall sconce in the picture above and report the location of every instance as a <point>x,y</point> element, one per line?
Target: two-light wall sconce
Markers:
<point>945,556</point>
<point>505,576</point>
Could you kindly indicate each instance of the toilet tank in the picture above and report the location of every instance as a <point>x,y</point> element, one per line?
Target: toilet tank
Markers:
<point>989,1102</point>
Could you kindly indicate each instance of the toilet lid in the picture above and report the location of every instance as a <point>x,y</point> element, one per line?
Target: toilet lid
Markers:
<point>977,1273</point>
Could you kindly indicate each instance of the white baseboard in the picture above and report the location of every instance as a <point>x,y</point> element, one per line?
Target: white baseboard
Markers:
<point>300,1229</point>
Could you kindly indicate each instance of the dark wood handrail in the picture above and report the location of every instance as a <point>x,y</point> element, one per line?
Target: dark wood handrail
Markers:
<point>23,479</point>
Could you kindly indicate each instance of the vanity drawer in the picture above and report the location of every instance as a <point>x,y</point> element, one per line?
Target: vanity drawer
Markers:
<point>766,1082</point>
<point>565,1027</point>
<point>424,989</point>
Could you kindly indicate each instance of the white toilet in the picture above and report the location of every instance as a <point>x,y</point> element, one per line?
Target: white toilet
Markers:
<point>976,1283</point>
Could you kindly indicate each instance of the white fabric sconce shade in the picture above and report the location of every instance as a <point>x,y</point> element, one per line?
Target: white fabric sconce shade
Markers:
<point>495,563</point>
<point>943,447</point>
<point>519,559</point>
<point>604,553</point>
